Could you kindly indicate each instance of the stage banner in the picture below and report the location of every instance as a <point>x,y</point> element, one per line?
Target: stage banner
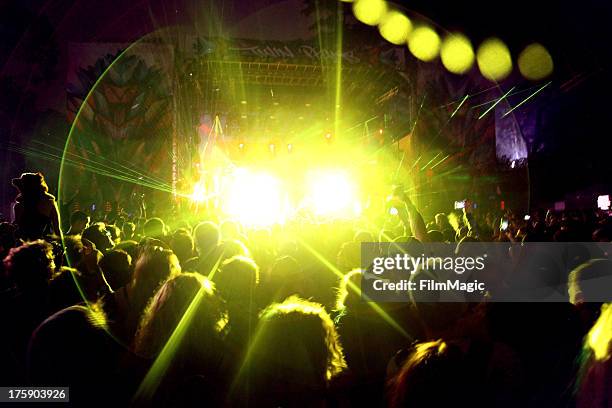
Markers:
<point>297,52</point>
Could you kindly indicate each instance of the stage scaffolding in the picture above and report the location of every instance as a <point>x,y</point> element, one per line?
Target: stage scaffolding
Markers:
<point>276,73</point>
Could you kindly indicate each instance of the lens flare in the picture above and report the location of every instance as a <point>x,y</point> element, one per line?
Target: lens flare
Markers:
<point>424,43</point>
<point>332,193</point>
<point>369,12</point>
<point>254,199</point>
<point>395,27</point>
<point>494,60</point>
<point>457,53</point>
<point>535,62</point>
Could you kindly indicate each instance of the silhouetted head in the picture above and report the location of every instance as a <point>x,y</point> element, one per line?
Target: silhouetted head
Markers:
<point>182,245</point>
<point>73,347</point>
<point>589,287</point>
<point>434,375</point>
<point>435,236</point>
<point>206,237</point>
<point>154,266</point>
<point>30,265</point>
<point>295,354</point>
<point>187,300</point>
<point>237,280</point>
<point>593,382</point>
<point>285,278</point>
<point>99,235</point>
<point>128,230</point>
<point>78,222</point>
<point>31,185</point>
<point>73,247</point>
<point>233,247</point>
<point>591,282</point>
<point>64,288</point>
<point>115,233</point>
<point>117,268</point>
<point>349,292</point>
<point>7,237</point>
<point>363,236</point>
<point>442,221</point>
<point>154,228</point>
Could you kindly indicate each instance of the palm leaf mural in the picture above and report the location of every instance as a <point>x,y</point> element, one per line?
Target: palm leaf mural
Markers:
<point>124,130</point>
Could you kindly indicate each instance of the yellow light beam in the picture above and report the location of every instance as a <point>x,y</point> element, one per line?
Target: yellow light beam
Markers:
<point>444,158</point>
<point>496,103</point>
<point>429,162</point>
<point>385,316</point>
<point>156,373</point>
<point>526,99</point>
<point>465,98</point>
<point>338,99</point>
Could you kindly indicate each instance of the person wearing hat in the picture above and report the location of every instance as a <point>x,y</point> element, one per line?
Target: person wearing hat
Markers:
<point>36,213</point>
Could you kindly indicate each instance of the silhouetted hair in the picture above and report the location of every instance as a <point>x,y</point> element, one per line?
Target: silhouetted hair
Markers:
<point>363,236</point>
<point>182,245</point>
<point>434,375</point>
<point>349,291</point>
<point>234,247</point>
<point>78,216</point>
<point>296,351</point>
<point>73,347</point>
<point>73,247</point>
<point>115,232</point>
<point>285,278</point>
<point>154,266</point>
<point>154,228</point>
<point>435,236</point>
<point>128,227</point>
<point>593,382</point>
<point>7,236</point>
<point>169,307</point>
<point>129,246</point>
<point>64,288</point>
<point>237,279</point>
<point>98,234</point>
<point>205,237</point>
<point>30,265</point>
<point>117,268</point>
<point>30,185</point>
<point>591,282</point>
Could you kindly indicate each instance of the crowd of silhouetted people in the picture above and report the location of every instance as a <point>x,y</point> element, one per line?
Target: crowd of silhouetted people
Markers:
<point>197,310</point>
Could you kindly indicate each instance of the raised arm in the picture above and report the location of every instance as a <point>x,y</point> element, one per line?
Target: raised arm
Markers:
<point>55,221</point>
<point>412,218</point>
<point>469,220</point>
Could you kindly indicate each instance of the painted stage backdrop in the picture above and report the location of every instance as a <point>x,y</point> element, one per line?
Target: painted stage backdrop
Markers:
<point>120,104</point>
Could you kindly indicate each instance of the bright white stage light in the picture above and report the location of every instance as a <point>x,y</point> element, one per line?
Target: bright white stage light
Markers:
<point>332,194</point>
<point>199,192</point>
<point>254,199</point>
